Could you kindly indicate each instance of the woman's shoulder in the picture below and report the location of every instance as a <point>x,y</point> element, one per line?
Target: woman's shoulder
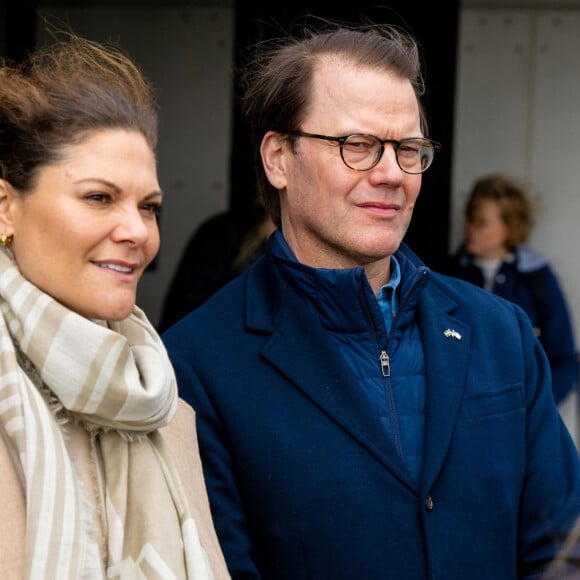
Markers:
<point>181,436</point>
<point>180,432</point>
<point>13,521</point>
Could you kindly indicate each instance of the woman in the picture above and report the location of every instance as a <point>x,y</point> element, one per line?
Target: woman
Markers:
<point>495,255</point>
<point>99,469</point>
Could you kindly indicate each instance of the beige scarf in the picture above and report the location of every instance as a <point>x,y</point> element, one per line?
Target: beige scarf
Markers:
<point>116,379</point>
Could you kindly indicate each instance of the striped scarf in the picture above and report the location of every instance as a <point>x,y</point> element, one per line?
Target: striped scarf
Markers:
<point>115,379</point>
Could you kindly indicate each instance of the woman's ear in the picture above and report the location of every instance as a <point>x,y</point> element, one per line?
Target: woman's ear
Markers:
<point>6,208</point>
<point>273,151</point>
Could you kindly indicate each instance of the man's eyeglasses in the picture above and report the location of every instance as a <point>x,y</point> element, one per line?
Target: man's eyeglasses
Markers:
<point>362,152</point>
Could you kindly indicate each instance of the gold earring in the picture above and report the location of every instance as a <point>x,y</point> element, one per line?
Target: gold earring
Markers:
<point>5,239</point>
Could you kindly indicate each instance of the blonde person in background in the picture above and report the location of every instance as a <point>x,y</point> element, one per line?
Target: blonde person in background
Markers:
<point>100,475</point>
<point>496,255</point>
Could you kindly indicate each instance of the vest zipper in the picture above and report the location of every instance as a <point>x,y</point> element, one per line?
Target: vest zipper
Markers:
<point>385,363</point>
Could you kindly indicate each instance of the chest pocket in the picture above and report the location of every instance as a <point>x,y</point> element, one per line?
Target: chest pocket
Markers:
<point>492,403</point>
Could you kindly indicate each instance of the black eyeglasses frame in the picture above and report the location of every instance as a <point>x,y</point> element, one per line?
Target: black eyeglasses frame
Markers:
<point>396,145</point>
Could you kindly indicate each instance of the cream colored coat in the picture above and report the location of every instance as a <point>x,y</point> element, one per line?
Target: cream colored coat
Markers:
<point>182,438</point>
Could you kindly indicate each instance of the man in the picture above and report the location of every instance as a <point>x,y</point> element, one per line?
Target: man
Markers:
<point>359,416</point>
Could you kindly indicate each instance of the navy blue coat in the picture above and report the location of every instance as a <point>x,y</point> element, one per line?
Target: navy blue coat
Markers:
<point>527,279</point>
<point>302,481</point>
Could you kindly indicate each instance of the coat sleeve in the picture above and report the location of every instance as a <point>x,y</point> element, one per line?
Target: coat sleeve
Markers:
<point>550,502</point>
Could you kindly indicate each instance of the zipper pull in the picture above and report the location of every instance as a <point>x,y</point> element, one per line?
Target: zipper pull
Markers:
<point>385,363</point>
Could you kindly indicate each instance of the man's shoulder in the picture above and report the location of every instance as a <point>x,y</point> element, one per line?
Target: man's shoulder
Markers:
<point>486,313</point>
<point>456,286</point>
<point>466,293</point>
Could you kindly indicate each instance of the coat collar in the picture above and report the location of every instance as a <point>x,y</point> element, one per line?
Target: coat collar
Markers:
<point>338,295</point>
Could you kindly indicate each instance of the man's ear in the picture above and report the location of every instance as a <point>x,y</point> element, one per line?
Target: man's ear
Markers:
<point>6,208</point>
<point>273,150</point>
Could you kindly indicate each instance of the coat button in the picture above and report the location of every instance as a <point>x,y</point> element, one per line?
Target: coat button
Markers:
<point>429,503</point>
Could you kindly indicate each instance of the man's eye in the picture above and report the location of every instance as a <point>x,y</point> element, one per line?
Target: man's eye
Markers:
<point>358,145</point>
<point>410,149</point>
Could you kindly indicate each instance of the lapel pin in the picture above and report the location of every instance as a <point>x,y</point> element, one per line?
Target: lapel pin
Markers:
<point>450,333</point>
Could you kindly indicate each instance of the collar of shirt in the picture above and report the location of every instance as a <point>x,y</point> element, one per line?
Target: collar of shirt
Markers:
<point>387,296</point>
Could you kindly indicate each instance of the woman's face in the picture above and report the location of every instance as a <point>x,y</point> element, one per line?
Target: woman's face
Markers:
<point>486,232</point>
<point>88,229</point>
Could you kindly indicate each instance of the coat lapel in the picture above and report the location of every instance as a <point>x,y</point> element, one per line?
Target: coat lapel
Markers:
<point>446,343</point>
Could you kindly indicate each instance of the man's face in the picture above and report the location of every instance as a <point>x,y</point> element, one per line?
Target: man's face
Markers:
<point>333,216</point>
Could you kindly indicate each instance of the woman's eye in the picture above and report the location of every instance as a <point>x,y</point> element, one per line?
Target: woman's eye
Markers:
<point>152,208</point>
<point>99,197</point>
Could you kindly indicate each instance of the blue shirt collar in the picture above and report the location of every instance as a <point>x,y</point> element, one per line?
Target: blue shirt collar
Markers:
<point>387,295</point>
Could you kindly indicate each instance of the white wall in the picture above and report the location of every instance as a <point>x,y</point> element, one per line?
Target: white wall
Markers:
<point>517,103</point>
<point>187,52</point>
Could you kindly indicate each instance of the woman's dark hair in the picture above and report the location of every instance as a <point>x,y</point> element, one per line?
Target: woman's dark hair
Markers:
<point>277,79</point>
<point>62,92</point>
